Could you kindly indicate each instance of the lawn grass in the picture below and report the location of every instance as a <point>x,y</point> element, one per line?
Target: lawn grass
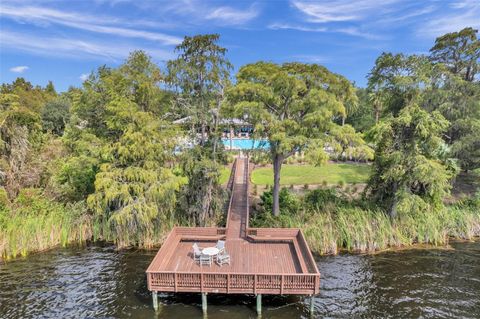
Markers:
<point>309,174</point>
<point>225,174</point>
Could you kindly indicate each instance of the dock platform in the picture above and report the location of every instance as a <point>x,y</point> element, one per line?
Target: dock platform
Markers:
<point>263,260</point>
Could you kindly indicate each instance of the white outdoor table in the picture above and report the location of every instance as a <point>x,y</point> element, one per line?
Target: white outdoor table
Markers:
<point>210,251</point>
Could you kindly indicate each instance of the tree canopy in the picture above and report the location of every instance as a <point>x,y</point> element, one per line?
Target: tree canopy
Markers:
<point>410,168</point>
<point>118,135</point>
<point>292,105</point>
<point>200,75</point>
<point>459,52</point>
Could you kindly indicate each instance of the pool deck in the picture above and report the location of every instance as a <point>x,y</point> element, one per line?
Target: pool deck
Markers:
<point>263,260</point>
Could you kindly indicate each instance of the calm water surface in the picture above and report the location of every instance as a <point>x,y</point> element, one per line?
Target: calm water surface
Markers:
<point>98,282</point>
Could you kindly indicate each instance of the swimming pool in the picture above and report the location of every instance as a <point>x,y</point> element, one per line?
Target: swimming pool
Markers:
<point>245,144</point>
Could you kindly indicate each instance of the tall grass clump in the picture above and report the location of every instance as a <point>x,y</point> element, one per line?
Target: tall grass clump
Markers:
<point>35,223</point>
<point>332,223</point>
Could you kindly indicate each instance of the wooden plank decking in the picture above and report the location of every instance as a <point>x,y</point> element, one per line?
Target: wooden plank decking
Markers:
<point>263,260</point>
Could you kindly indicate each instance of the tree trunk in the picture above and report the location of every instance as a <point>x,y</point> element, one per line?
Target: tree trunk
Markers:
<point>343,120</point>
<point>204,132</point>
<point>277,166</point>
<point>215,137</point>
<point>207,203</point>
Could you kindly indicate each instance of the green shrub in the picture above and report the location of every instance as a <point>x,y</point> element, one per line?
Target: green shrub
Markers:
<point>289,203</point>
<point>321,198</point>
<point>77,176</point>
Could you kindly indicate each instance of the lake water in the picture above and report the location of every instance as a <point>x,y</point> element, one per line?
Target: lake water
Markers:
<point>99,282</point>
<point>245,144</point>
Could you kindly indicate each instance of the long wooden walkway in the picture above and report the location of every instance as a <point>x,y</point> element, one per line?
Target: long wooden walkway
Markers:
<point>237,215</point>
<point>263,260</point>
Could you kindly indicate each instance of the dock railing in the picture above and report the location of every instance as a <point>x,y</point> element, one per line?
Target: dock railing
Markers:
<point>223,282</point>
<point>231,186</point>
<point>247,180</point>
<point>307,282</point>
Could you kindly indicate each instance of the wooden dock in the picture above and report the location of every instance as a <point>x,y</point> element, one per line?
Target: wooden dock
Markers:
<point>263,260</point>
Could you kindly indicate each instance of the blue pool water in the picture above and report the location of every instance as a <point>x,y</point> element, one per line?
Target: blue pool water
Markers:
<point>245,144</point>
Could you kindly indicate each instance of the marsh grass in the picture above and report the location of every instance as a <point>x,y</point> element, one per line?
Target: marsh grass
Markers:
<point>331,227</point>
<point>144,239</point>
<point>34,223</point>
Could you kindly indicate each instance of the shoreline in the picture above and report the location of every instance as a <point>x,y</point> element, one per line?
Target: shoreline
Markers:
<point>340,251</point>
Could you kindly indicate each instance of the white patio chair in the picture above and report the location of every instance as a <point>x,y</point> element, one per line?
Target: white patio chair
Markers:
<point>205,260</point>
<point>221,246</point>
<point>196,252</point>
<point>223,259</point>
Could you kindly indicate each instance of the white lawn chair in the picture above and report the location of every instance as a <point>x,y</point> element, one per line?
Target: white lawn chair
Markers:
<point>197,253</point>
<point>223,259</point>
<point>205,260</point>
<point>221,246</point>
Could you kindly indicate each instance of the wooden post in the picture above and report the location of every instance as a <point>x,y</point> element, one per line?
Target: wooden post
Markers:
<point>204,303</point>
<point>228,282</point>
<point>259,305</point>
<point>175,282</point>
<point>312,303</point>
<point>281,287</point>
<point>155,300</point>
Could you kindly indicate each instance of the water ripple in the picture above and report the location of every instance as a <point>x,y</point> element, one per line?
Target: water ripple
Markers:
<point>99,282</point>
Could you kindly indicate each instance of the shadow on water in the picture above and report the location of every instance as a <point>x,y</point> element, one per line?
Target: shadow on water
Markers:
<point>100,282</point>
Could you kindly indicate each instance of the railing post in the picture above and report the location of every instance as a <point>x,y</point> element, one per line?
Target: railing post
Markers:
<point>254,284</point>
<point>175,282</point>
<point>228,283</point>
<point>281,287</point>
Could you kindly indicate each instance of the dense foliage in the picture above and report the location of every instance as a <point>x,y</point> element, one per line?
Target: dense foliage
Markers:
<point>200,75</point>
<point>136,150</point>
<point>410,170</point>
<point>293,106</point>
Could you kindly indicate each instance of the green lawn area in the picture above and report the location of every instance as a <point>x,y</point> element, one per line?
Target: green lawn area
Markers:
<point>309,174</point>
<point>224,174</point>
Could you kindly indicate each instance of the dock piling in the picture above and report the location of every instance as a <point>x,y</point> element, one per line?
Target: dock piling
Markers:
<point>312,303</point>
<point>259,305</point>
<point>155,300</point>
<point>204,303</point>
